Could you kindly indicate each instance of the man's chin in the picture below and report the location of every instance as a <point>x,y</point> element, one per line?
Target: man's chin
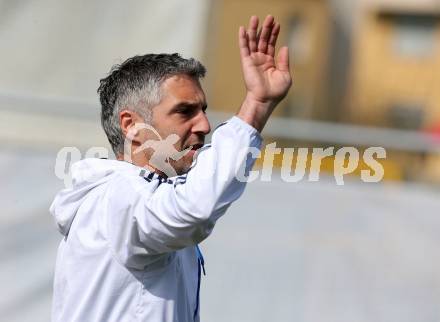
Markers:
<point>183,170</point>
<point>182,167</point>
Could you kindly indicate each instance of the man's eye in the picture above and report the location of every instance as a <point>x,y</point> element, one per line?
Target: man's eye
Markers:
<point>185,111</point>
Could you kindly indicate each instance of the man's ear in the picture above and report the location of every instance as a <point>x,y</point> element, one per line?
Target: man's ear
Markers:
<point>128,120</point>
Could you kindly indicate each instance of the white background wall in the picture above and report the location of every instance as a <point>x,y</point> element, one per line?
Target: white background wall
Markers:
<point>63,48</point>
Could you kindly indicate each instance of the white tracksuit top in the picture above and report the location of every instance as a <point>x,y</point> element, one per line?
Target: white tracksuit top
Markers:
<point>129,251</point>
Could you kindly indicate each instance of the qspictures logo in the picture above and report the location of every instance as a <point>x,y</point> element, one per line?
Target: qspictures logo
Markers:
<point>346,161</point>
<point>162,150</point>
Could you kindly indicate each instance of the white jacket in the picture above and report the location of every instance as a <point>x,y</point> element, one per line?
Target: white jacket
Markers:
<point>129,249</point>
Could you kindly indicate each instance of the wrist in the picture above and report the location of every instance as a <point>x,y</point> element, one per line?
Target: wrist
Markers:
<point>256,102</point>
<point>255,112</point>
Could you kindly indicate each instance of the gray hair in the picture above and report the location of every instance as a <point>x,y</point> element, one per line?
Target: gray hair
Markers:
<point>136,85</point>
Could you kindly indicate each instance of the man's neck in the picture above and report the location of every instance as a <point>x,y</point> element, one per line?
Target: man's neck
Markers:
<point>141,163</point>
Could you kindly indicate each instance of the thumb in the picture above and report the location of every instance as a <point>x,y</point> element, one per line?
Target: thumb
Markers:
<point>283,59</point>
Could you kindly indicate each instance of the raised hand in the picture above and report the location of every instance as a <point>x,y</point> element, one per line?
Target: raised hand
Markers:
<point>265,79</point>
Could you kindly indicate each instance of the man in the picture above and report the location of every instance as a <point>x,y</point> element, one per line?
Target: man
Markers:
<point>129,251</point>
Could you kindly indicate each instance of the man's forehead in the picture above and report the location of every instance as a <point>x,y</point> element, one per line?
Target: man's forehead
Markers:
<point>183,88</point>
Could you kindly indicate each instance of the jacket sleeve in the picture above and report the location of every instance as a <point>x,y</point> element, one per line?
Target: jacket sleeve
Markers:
<point>183,211</point>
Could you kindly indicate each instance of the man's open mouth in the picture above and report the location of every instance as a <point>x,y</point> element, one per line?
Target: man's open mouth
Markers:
<point>196,146</point>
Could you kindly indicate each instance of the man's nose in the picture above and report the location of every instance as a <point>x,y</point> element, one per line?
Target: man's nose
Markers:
<point>201,124</point>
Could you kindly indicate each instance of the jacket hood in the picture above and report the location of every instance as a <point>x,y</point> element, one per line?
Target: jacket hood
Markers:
<point>86,174</point>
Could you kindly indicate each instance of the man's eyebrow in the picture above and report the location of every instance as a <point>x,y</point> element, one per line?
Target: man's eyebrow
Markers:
<point>190,105</point>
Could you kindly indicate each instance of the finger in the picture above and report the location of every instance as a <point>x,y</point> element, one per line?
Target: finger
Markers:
<point>243,42</point>
<point>252,33</point>
<point>283,59</point>
<point>273,39</point>
<point>258,35</point>
<point>265,34</point>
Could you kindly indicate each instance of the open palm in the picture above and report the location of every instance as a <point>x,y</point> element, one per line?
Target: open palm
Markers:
<point>265,79</point>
